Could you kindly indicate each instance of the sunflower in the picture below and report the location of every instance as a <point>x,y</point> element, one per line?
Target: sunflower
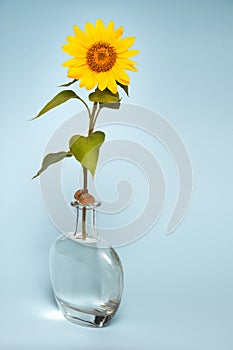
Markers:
<point>100,56</point>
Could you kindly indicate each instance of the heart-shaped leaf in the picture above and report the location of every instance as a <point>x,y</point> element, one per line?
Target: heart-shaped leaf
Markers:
<point>104,96</point>
<point>60,98</point>
<point>52,158</point>
<point>86,149</point>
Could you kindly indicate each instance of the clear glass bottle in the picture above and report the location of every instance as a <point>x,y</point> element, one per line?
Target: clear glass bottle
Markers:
<point>86,273</point>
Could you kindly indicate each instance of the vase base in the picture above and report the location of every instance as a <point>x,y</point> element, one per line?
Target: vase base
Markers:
<point>85,318</point>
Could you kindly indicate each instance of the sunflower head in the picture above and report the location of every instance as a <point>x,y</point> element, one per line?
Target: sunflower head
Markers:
<point>100,56</point>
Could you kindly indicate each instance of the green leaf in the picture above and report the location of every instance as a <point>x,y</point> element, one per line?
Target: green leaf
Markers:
<point>104,96</point>
<point>60,98</point>
<point>113,105</point>
<point>86,149</point>
<point>124,87</point>
<point>68,84</point>
<point>52,158</point>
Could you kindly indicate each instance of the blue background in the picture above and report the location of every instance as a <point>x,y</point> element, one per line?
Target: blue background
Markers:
<point>178,288</point>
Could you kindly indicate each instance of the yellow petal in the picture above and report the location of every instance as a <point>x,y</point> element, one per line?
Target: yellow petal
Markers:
<point>109,33</point>
<point>119,32</point>
<point>102,80</point>
<point>91,81</point>
<point>129,53</point>
<point>78,45</point>
<point>74,73</point>
<point>70,38</point>
<point>88,81</point>
<point>124,63</point>
<point>71,49</point>
<point>110,27</point>
<point>82,82</point>
<point>123,44</point>
<point>78,32</point>
<point>121,76</point>
<point>129,67</point>
<point>134,69</point>
<point>90,31</point>
<point>91,85</point>
<point>100,30</point>
<point>112,85</point>
<point>77,62</point>
<point>81,36</point>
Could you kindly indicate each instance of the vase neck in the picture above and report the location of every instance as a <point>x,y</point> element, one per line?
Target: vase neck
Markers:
<point>85,221</point>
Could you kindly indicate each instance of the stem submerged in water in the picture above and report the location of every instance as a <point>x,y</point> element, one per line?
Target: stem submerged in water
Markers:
<point>84,233</point>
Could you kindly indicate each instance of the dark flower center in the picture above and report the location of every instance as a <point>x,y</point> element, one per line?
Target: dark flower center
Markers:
<point>101,57</point>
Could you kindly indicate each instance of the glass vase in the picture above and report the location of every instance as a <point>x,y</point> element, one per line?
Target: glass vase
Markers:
<point>86,272</point>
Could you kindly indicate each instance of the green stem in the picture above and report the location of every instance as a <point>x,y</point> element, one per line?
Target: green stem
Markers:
<point>85,104</point>
<point>90,131</point>
<point>94,120</point>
